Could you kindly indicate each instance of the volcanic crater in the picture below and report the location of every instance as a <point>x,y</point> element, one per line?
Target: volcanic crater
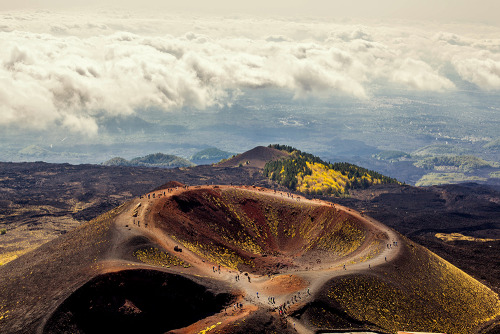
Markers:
<point>236,259</point>
<point>262,232</point>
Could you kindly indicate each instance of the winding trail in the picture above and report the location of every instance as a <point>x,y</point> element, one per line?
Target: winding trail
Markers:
<point>307,282</point>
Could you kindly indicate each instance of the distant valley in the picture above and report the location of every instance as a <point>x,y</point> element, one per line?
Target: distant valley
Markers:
<point>410,146</point>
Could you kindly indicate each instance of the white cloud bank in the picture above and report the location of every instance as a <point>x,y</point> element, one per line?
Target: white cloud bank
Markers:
<point>66,70</point>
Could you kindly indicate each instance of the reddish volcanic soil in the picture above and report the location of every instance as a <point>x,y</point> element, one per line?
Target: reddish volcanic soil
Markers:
<point>256,157</point>
<point>191,253</point>
<point>284,284</point>
<point>221,259</point>
<point>262,232</point>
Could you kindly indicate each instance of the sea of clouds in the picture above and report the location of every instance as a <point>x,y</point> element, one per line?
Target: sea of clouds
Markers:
<point>66,70</point>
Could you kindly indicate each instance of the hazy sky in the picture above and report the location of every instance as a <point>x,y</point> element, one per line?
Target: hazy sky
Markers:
<point>482,11</point>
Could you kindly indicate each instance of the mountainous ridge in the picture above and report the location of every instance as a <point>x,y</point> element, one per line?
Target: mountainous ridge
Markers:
<point>210,155</point>
<point>151,160</point>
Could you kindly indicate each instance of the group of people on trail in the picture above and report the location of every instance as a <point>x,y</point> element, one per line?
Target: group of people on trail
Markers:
<point>160,194</point>
<point>394,243</point>
<point>216,269</point>
<point>289,195</point>
<point>282,309</point>
<point>139,223</point>
<point>237,278</point>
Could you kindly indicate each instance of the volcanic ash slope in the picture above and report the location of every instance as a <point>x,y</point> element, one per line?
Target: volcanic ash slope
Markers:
<point>121,270</point>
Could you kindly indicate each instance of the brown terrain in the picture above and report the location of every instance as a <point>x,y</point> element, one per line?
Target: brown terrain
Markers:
<point>180,259</point>
<point>256,157</point>
<point>430,216</point>
<point>41,201</point>
<point>151,264</point>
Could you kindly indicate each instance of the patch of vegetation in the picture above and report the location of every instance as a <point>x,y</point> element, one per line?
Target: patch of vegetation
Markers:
<point>3,231</point>
<point>209,328</point>
<point>460,237</point>
<point>426,293</point>
<point>117,161</point>
<point>226,159</point>
<point>216,254</point>
<point>10,256</point>
<point>391,155</point>
<point>462,163</point>
<point>152,160</point>
<point>440,149</point>
<point>212,153</point>
<point>4,314</point>
<point>311,175</point>
<point>432,179</point>
<point>285,148</point>
<point>161,160</point>
<point>156,257</point>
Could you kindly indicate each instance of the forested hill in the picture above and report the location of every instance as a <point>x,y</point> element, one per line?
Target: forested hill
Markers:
<point>309,174</point>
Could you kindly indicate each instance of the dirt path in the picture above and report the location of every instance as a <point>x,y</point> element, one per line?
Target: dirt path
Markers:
<point>136,220</point>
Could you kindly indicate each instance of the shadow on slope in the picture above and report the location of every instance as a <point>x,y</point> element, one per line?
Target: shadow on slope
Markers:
<point>135,301</point>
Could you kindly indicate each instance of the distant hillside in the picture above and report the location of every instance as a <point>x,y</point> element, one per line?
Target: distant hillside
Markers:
<point>152,160</point>
<point>34,151</point>
<point>41,153</point>
<point>309,174</point>
<point>256,157</point>
<point>117,161</point>
<point>210,155</point>
<point>462,163</point>
<point>440,149</point>
<point>432,179</point>
<point>391,155</point>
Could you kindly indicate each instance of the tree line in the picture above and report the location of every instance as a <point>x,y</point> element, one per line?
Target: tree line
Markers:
<point>286,171</point>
